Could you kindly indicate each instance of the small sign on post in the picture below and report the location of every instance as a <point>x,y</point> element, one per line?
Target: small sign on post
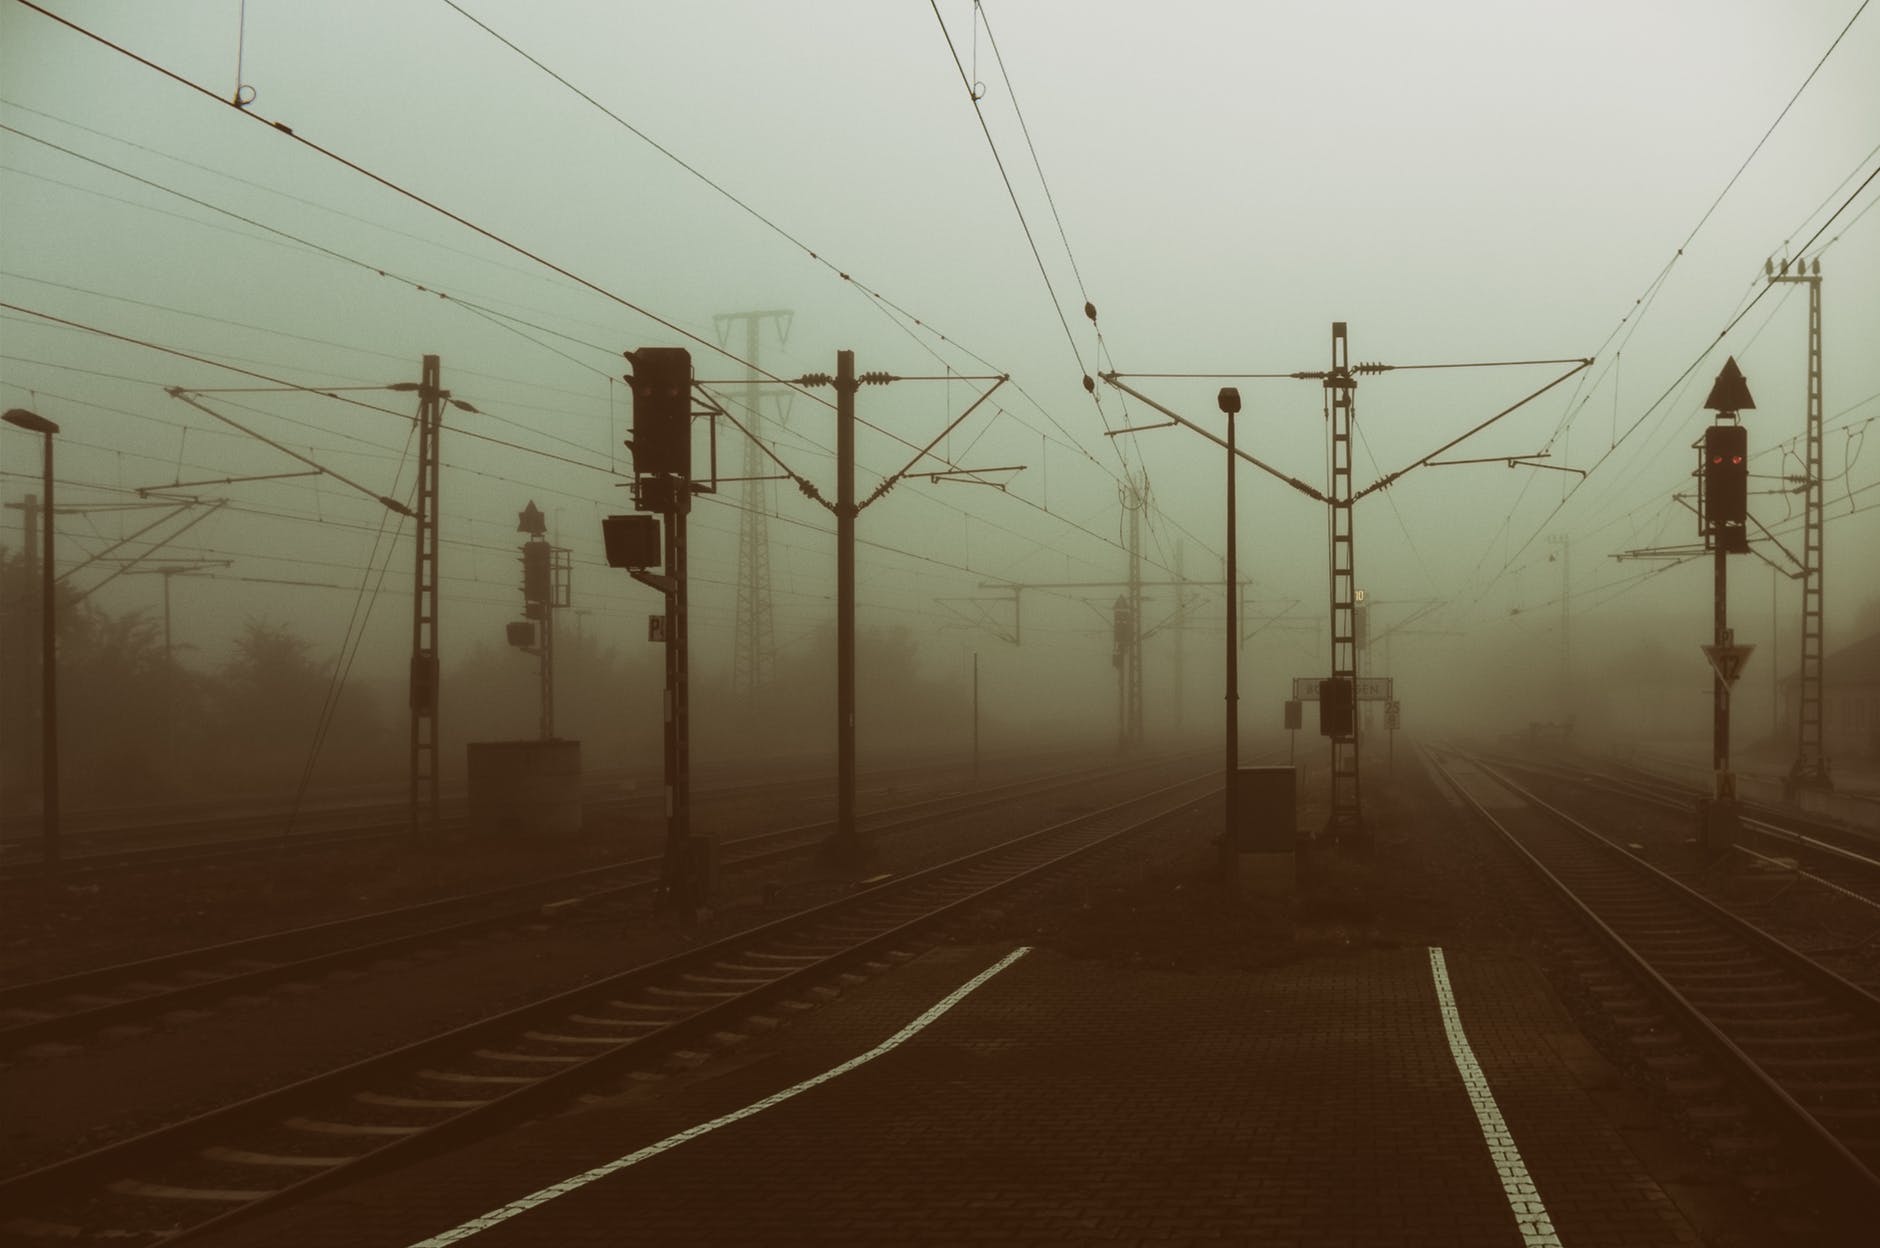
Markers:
<point>1727,661</point>
<point>656,628</point>
<point>1393,715</point>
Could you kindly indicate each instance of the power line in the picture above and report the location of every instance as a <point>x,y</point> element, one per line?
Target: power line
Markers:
<point>500,319</point>
<point>398,189</point>
<point>1679,381</point>
<point>1011,192</point>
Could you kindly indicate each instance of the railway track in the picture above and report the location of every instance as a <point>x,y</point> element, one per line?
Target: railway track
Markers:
<point>214,1169</point>
<point>72,1007</point>
<point>1837,859</point>
<point>1769,1053</point>
<point>1775,822</point>
<point>251,836</point>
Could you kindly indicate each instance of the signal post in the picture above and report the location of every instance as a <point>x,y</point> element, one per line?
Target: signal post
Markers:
<point>662,484</point>
<point>1724,474</point>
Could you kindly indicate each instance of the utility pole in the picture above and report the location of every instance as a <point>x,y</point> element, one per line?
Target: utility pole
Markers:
<point>1134,496</point>
<point>424,668</point>
<point>30,706</point>
<point>846,842</point>
<point>1229,402</point>
<point>975,719</point>
<point>1810,768</point>
<point>49,832</point>
<point>1564,543</point>
<point>1181,621</point>
<point>168,572</point>
<point>754,640</point>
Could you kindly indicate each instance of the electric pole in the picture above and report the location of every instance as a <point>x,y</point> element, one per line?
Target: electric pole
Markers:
<point>424,668</point>
<point>28,701</point>
<point>1564,543</point>
<point>1810,768</point>
<point>846,842</point>
<point>1133,494</point>
<point>1181,629</point>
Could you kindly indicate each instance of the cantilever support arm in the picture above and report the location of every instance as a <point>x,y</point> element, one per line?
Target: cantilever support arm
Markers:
<point>185,396</point>
<point>1113,379</point>
<point>1793,576</point>
<point>894,478</point>
<point>803,483</point>
<point>1386,481</point>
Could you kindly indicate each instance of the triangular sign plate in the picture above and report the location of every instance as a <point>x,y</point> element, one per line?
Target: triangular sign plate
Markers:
<point>1727,661</point>
<point>1730,392</point>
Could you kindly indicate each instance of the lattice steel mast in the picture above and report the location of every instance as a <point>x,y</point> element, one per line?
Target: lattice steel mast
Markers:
<point>754,637</point>
<point>1347,815</point>
<point>1810,768</point>
<point>424,735</point>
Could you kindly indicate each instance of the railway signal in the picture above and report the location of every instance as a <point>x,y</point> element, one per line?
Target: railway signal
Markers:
<point>1724,474</point>
<point>1726,486</point>
<point>661,384</point>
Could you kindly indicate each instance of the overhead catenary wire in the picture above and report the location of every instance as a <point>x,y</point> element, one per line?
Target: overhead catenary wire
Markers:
<point>1697,361</point>
<point>486,313</point>
<point>1031,240</point>
<point>401,190</point>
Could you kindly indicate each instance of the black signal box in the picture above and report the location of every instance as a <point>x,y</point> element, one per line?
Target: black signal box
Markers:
<point>1726,487</point>
<point>631,541</point>
<point>1335,708</point>
<point>662,410</point>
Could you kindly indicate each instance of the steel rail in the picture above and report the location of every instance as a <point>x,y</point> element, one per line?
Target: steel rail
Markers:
<point>912,903</point>
<point>1671,795</point>
<point>1815,1135</point>
<point>235,845</point>
<point>793,840</point>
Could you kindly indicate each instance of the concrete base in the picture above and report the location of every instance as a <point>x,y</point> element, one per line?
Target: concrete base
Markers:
<point>524,788</point>
<point>1269,874</point>
<point>1717,824</point>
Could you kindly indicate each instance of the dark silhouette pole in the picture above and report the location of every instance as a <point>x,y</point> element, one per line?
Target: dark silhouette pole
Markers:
<point>847,840</point>
<point>1230,404</point>
<point>48,657</point>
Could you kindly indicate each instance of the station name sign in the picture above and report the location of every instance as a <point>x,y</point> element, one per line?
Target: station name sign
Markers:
<point>1370,688</point>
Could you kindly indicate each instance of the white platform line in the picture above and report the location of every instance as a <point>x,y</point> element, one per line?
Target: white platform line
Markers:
<point>1530,1215</point>
<point>485,1221</point>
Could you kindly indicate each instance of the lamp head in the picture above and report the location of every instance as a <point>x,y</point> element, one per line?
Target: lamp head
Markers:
<point>30,421</point>
<point>1229,399</point>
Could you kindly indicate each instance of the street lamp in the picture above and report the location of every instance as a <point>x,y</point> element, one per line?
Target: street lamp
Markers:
<point>33,422</point>
<point>1229,400</point>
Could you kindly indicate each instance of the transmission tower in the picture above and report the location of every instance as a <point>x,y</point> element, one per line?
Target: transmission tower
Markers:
<point>754,638</point>
<point>1810,769</point>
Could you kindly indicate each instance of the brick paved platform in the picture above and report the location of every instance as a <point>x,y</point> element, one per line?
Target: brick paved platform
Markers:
<point>1072,1102</point>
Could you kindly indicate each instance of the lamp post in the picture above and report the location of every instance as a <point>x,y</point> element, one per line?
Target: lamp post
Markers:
<point>1229,400</point>
<point>33,422</point>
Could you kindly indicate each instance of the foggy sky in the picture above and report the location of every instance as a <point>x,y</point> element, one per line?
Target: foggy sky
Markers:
<point>1459,182</point>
